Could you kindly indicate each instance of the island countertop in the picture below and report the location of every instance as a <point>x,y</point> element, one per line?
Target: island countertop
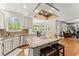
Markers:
<point>35,41</point>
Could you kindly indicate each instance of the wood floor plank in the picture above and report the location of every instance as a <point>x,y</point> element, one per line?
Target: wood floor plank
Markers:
<point>22,53</point>
<point>71,47</point>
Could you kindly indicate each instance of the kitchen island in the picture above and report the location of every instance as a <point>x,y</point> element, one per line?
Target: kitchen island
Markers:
<point>37,43</point>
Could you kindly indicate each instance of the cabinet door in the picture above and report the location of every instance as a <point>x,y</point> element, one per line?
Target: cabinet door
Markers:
<point>23,40</point>
<point>1,45</point>
<point>7,46</point>
<point>1,50</point>
<point>15,42</point>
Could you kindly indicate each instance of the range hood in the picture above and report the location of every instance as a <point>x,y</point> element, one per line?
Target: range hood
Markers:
<point>45,11</point>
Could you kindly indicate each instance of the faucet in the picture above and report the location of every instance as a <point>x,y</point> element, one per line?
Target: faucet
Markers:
<point>38,33</point>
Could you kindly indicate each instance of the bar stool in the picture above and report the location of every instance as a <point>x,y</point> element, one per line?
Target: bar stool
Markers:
<point>48,51</point>
<point>59,47</point>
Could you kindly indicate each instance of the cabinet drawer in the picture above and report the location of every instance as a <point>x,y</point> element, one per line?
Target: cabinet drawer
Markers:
<point>0,53</point>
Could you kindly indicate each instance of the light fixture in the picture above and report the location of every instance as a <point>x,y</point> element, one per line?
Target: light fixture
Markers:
<point>24,6</point>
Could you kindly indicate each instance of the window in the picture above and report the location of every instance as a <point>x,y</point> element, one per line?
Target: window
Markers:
<point>13,23</point>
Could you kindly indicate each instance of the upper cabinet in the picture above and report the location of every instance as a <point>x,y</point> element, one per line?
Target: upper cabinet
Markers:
<point>27,23</point>
<point>2,21</point>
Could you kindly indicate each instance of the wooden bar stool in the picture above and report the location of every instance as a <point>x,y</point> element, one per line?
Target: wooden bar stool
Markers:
<point>48,51</point>
<point>59,47</point>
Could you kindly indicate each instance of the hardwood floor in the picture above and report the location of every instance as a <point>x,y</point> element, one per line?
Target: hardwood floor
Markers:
<point>22,53</point>
<point>71,47</point>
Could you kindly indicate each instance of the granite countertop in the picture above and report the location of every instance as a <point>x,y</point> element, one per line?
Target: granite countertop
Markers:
<point>38,41</point>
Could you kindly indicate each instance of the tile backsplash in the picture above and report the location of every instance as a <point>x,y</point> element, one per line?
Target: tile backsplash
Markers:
<point>4,33</point>
<point>40,27</point>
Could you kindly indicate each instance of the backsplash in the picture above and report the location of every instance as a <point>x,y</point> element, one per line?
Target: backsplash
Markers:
<point>40,27</point>
<point>4,33</point>
<point>23,32</point>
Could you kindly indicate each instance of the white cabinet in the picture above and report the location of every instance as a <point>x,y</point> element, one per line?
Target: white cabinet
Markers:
<point>1,48</point>
<point>15,42</point>
<point>27,23</point>
<point>23,40</point>
<point>7,45</point>
<point>1,45</point>
<point>1,20</point>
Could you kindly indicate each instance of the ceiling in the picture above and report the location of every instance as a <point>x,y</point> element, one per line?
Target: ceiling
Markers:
<point>24,8</point>
<point>68,11</point>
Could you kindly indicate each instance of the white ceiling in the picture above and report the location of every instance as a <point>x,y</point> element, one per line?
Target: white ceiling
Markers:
<point>25,8</point>
<point>68,11</point>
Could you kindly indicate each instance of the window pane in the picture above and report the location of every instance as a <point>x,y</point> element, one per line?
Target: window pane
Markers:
<point>13,24</point>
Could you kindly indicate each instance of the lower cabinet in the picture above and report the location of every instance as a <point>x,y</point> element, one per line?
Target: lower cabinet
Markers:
<point>10,43</point>
<point>16,42</point>
<point>23,40</point>
<point>0,53</point>
<point>1,48</point>
<point>7,45</point>
<point>1,45</point>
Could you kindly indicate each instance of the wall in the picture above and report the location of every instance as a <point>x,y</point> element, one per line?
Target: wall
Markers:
<point>60,27</point>
<point>7,15</point>
<point>75,25</point>
<point>23,32</point>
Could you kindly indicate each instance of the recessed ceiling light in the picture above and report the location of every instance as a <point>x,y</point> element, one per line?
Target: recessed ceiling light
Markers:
<point>24,6</point>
